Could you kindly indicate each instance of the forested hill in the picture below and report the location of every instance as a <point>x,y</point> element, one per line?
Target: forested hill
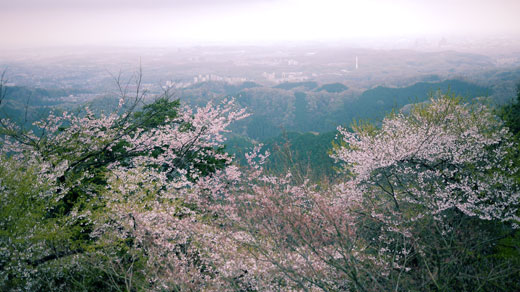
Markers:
<point>375,103</point>
<point>27,103</point>
<point>275,110</point>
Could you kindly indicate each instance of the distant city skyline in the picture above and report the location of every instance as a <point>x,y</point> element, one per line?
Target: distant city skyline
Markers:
<point>35,23</point>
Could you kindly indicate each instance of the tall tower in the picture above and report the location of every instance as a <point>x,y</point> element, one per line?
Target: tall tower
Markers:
<point>357,65</point>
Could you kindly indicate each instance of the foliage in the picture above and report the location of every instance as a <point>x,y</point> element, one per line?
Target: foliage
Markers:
<point>305,154</point>
<point>147,200</point>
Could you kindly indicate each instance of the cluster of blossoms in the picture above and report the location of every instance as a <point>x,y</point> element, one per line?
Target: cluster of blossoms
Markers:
<point>443,155</point>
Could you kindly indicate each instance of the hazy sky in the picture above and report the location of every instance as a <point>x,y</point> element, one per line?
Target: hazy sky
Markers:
<point>78,22</point>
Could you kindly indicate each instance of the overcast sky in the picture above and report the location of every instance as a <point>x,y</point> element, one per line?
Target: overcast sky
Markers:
<point>29,23</point>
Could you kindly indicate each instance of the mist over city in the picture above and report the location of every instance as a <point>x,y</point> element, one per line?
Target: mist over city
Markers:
<point>261,145</point>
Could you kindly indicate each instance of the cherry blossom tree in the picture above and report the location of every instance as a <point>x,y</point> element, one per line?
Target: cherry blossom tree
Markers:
<point>436,192</point>
<point>91,166</point>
